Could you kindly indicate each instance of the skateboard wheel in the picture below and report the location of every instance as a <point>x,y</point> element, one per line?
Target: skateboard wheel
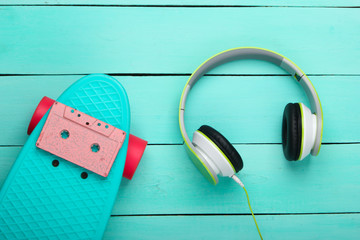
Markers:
<point>135,151</point>
<point>43,106</point>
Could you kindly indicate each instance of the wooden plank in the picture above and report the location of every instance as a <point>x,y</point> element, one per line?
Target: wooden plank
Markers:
<point>187,2</point>
<point>173,40</point>
<point>252,114</point>
<point>339,226</point>
<point>166,182</point>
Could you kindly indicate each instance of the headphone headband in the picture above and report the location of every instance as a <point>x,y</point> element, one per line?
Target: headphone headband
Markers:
<point>260,54</point>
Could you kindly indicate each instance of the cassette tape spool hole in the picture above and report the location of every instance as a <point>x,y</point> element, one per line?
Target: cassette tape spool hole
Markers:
<point>95,147</point>
<point>64,134</point>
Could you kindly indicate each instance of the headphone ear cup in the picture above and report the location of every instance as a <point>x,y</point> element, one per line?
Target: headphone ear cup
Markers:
<point>309,126</point>
<point>202,164</point>
<point>224,146</point>
<point>292,131</point>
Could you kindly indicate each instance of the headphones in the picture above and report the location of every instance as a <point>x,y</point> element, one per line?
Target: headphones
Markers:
<point>302,128</point>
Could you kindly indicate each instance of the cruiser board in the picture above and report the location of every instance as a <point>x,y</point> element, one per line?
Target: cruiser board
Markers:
<point>47,197</point>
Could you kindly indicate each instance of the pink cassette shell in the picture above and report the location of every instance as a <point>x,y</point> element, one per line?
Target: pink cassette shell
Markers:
<point>136,146</point>
<point>81,139</point>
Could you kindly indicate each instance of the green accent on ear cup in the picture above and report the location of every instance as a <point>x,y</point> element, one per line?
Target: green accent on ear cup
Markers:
<point>224,146</point>
<point>200,165</point>
<point>227,159</point>
<point>302,131</point>
<point>322,118</point>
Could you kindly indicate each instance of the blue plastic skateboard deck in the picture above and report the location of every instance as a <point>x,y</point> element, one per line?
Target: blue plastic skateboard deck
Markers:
<point>40,201</point>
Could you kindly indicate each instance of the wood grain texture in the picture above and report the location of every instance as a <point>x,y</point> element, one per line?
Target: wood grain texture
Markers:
<point>252,114</point>
<point>234,227</point>
<point>166,182</point>
<point>317,3</point>
<point>154,48</point>
<point>173,40</point>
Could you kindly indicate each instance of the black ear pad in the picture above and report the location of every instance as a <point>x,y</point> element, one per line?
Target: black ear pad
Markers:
<point>224,145</point>
<point>292,131</point>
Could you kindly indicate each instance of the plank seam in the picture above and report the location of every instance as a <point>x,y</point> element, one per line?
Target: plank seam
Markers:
<point>230,214</point>
<point>177,74</point>
<point>168,6</point>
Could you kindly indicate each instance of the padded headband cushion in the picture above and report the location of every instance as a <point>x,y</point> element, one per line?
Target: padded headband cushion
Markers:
<point>292,131</point>
<point>224,145</point>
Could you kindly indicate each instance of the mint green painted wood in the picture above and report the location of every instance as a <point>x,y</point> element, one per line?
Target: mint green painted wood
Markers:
<point>190,2</point>
<point>340,226</point>
<point>253,114</point>
<point>81,40</point>
<point>166,182</point>
<point>173,40</point>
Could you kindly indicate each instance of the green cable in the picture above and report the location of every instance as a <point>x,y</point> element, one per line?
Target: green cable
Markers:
<point>252,213</point>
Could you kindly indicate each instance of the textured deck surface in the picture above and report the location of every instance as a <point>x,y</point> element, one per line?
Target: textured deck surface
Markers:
<point>152,47</point>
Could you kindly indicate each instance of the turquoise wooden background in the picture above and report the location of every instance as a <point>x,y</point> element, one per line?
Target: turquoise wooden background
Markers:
<point>152,47</point>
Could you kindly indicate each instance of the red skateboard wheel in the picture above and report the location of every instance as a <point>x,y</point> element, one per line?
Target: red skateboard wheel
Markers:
<point>136,145</point>
<point>135,151</point>
<point>43,106</point>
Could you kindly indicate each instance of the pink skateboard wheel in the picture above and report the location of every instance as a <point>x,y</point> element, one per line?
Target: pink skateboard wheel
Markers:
<point>43,106</point>
<point>135,151</point>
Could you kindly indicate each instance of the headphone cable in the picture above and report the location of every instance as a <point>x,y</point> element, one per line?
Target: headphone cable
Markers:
<point>236,179</point>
